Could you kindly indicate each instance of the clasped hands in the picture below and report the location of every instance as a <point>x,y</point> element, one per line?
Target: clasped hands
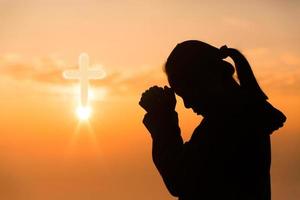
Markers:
<point>157,100</point>
<point>161,119</point>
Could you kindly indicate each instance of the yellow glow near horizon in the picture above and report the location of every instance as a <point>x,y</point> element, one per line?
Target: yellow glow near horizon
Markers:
<point>83,113</point>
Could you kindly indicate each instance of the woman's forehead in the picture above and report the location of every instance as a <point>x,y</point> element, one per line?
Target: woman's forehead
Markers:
<point>182,89</point>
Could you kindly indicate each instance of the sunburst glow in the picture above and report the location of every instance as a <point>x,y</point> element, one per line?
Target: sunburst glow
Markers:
<point>83,113</point>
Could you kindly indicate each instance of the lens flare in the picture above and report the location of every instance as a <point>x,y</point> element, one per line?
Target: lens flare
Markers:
<point>83,113</point>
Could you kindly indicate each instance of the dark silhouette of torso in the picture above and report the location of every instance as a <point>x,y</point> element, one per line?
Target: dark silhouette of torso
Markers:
<point>227,157</point>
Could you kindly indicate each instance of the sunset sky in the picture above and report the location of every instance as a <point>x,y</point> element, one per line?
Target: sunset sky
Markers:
<point>47,153</point>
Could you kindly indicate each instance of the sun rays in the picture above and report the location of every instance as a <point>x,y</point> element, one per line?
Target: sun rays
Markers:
<point>83,130</point>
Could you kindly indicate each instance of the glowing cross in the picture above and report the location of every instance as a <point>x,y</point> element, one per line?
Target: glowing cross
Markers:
<point>84,74</point>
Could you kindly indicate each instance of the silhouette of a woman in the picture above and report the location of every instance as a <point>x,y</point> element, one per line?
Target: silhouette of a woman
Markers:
<point>229,154</point>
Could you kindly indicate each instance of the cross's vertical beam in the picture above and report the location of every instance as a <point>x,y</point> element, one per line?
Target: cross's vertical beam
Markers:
<point>84,74</point>
<point>84,81</point>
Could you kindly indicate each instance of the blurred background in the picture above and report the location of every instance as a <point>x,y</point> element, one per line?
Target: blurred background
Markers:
<point>47,153</point>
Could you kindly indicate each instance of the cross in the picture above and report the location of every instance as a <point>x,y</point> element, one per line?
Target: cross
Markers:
<point>84,74</point>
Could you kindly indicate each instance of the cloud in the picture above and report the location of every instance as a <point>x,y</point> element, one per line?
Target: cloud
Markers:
<point>283,80</point>
<point>48,71</point>
<point>280,73</point>
<point>276,70</point>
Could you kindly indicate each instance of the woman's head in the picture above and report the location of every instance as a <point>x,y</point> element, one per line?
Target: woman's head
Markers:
<point>198,74</point>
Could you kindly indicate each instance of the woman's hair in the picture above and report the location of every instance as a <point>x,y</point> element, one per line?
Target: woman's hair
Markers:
<point>197,62</point>
<point>193,60</point>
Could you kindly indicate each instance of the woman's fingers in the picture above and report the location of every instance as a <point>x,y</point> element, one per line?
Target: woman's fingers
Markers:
<point>157,99</point>
<point>151,98</point>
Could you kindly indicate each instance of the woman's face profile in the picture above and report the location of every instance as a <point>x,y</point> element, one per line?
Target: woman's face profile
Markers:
<point>199,91</point>
<point>194,98</point>
<point>196,73</point>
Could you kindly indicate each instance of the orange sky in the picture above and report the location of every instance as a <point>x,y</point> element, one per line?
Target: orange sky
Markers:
<point>47,154</point>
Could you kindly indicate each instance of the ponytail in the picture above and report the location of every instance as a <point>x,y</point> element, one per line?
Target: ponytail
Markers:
<point>244,73</point>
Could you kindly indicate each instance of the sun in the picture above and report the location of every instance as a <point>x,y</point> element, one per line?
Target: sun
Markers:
<point>83,113</point>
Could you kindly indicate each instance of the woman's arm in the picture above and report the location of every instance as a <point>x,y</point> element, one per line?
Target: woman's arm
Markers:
<point>161,121</point>
<point>167,148</point>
